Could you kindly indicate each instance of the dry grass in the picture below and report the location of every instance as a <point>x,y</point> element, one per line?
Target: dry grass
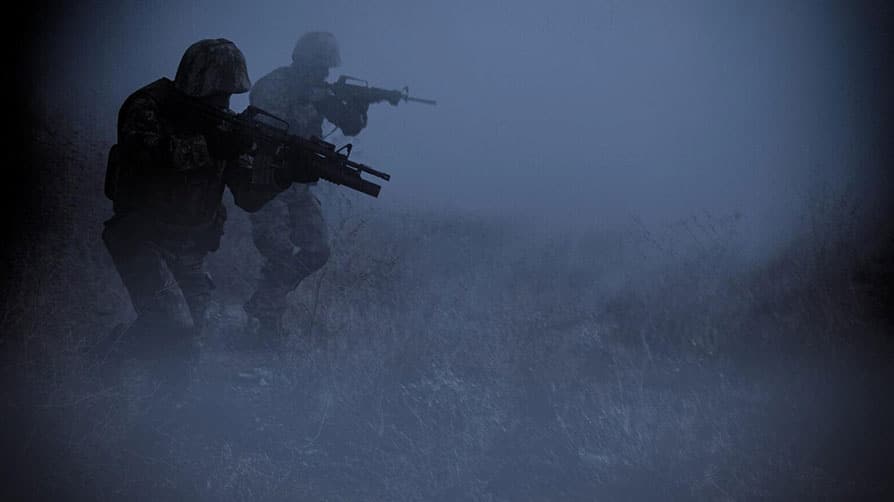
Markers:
<point>455,357</point>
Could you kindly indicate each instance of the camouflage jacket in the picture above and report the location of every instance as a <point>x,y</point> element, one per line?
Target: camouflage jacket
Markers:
<point>304,106</point>
<point>174,172</point>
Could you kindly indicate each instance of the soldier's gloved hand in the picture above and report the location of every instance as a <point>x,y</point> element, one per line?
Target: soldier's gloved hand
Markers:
<point>353,117</point>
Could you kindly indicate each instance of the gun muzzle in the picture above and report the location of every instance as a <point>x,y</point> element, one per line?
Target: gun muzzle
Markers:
<point>420,100</point>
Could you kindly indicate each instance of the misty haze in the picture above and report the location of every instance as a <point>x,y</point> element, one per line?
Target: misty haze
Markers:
<point>636,251</point>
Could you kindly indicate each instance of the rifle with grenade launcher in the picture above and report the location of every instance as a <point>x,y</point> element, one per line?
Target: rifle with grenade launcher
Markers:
<point>266,137</point>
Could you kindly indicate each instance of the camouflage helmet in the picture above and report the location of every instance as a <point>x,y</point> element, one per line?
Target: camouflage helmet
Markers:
<point>212,66</point>
<point>317,48</point>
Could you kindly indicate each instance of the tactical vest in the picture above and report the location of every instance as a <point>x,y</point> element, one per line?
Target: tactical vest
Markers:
<point>183,186</point>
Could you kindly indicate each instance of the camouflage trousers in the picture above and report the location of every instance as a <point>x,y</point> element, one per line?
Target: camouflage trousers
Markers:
<point>159,267</point>
<point>291,235</point>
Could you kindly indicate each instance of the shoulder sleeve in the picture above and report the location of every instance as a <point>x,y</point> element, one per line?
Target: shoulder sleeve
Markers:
<point>139,122</point>
<point>270,94</point>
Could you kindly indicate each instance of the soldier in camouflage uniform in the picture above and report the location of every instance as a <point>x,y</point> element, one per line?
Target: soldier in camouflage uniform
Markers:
<point>166,177</point>
<point>290,232</point>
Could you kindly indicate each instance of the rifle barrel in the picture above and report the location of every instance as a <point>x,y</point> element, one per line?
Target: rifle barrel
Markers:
<point>420,100</point>
<point>366,169</point>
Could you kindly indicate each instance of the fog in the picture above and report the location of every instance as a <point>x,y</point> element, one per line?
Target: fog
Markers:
<point>638,251</point>
<point>573,113</point>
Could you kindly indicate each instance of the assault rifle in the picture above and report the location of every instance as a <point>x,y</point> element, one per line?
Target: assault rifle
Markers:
<point>345,91</point>
<point>266,138</point>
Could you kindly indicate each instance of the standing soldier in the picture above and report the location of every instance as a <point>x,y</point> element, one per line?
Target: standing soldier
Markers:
<point>290,232</point>
<point>167,176</point>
